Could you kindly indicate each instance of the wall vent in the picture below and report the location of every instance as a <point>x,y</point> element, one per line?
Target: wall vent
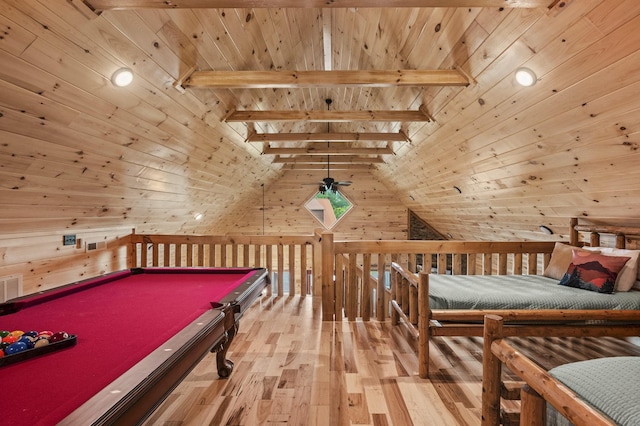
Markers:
<point>96,245</point>
<point>10,287</point>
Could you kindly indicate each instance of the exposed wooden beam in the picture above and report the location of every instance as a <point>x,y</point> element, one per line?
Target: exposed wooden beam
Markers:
<point>316,149</point>
<point>307,166</point>
<point>323,116</point>
<point>339,159</point>
<point>101,5</point>
<point>336,78</point>
<point>327,137</point>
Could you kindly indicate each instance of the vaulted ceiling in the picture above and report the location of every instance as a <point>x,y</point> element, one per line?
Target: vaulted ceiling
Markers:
<point>232,95</point>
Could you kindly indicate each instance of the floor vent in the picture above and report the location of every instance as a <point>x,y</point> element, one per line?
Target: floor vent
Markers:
<point>10,287</point>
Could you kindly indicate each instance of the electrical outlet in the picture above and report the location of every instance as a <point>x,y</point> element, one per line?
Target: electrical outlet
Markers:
<point>69,240</point>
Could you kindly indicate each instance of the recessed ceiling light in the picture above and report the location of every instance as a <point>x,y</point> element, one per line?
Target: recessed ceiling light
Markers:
<point>198,216</point>
<point>546,230</point>
<point>526,77</point>
<point>122,77</point>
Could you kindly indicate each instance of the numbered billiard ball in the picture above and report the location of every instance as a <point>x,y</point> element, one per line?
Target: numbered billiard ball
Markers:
<point>28,340</point>
<point>4,333</point>
<point>45,333</point>
<point>15,348</point>
<point>9,338</point>
<point>31,333</point>
<point>59,336</point>
<point>40,342</point>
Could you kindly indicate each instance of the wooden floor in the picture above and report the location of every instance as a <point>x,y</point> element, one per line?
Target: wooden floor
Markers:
<point>291,368</point>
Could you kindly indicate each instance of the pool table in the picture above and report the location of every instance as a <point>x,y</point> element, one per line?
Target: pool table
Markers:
<point>137,332</point>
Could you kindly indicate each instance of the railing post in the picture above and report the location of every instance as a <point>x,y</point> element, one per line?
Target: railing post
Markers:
<point>395,291</point>
<point>366,288</point>
<point>491,372</point>
<point>381,307</point>
<point>131,248</point>
<point>328,286</point>
<point>423,325</point>
<point>317,263</point>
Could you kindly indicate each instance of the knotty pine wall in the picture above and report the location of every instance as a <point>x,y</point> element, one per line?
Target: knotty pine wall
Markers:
<point>377,211</point>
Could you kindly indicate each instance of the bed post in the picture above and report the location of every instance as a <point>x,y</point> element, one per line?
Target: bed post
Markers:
<point>573,232</point>
<point>491,372</point>
<point>424,315</point>
<point>533,407</point>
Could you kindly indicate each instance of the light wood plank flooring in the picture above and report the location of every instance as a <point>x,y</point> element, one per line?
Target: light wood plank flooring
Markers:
<point>291,368</point>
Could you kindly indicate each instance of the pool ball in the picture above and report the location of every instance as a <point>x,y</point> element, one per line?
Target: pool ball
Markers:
<point>45,333</point>
<point>28,340</point>
<point>15,348</point>
<point>1,353</point>
<point>31,333</point>
<point>4,333</point>
<point>9,338</point>
<point>40,342</point>
<point>59,336</point>
<point>16,333</point>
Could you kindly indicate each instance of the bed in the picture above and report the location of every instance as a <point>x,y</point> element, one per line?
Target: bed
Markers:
<point>455,305</point>
<point>601,391</point>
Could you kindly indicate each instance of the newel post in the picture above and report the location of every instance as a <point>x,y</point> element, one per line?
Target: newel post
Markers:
<point>328,284</point>
<point>131,250</point>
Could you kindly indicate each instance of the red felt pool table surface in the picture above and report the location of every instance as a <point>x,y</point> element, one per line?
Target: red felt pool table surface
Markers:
<point>118,320</point>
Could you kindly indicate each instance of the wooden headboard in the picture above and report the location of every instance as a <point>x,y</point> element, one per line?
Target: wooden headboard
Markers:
<point>604,235</point>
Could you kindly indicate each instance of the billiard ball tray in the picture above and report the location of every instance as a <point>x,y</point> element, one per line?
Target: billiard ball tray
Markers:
<point>36,352</point>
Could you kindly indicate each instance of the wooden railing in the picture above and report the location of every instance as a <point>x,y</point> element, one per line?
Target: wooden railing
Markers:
<point>357,297</point>
<point>294,257</point>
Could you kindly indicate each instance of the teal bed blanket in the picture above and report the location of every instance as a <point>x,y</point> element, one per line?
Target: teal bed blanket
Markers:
<point>519,292</point>
<point>611,385</point>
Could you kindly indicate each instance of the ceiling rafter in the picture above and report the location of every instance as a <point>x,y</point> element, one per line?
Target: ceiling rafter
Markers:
<point>340,159</point>
<point>335,78</point>
<point>324,116</point>
<point>102,5</point>
<point>312,149</point>
<point>327,137</point>
<point>334,167</point>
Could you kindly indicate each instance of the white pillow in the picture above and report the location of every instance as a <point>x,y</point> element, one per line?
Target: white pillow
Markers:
<point>628,276</point>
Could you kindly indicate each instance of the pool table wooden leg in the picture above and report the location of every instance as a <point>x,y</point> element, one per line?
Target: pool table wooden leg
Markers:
<point>225,366</point>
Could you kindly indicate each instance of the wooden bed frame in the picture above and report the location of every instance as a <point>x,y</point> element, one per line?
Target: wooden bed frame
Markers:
<point>540,386</point>
<point>410,296</point>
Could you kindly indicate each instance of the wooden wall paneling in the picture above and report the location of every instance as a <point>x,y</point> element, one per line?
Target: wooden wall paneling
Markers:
<point>542,109</point>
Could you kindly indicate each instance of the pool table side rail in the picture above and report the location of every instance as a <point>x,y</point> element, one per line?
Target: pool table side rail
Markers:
<point>14,305</point>
<point>132,396</point>
<point>142,388</point>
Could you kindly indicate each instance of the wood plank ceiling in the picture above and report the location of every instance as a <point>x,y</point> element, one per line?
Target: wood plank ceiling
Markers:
<point>421,94</point>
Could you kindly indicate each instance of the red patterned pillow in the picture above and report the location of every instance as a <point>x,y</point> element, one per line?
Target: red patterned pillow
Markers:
<point>594,272</point>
